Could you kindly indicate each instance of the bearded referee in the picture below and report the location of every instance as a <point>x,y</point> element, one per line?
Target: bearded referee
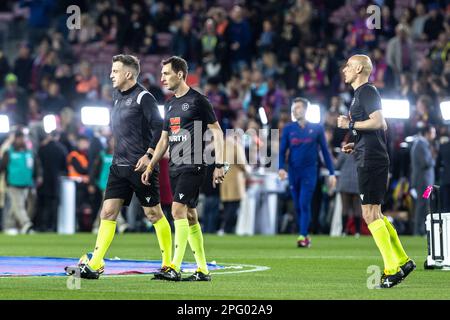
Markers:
<point>136,125</point>
<point>367,125</point>
<point>188,114</point>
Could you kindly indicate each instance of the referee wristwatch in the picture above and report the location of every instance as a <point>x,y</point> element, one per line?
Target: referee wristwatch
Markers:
<point>225,166</point>
<point>149,155</point>
<point>351,125</point>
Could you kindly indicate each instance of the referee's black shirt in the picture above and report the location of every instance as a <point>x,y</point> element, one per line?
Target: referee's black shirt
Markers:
<point>186,144</point>
<point>370,145</point>
<point>136,124</point>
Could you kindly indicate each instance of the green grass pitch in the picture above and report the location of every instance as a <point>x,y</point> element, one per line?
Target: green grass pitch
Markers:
<point>333,268</point>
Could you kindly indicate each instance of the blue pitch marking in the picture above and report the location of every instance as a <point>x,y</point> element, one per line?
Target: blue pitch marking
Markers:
<point>53,266</point>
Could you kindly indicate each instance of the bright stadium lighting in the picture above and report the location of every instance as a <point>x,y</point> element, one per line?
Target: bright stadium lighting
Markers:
<point>4,123</point>
<point>49,123</point>
<point>395,109</point>
<point>313,113</point>
<point>95,116</point>
<point>161,110</point>
<point>445,110</point>
<point>262,115</point>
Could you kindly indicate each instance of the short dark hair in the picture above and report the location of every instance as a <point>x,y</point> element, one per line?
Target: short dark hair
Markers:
<point>19,133</point>
<point>426,100</point>
<point>178,64</point>
<point>302,100</point>
<point>426,129</point>
<point>215,81</point>
<point>129,61</point>
<point>82,137</point>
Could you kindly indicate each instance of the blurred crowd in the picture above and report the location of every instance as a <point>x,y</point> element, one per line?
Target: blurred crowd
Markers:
<point>244,56</point>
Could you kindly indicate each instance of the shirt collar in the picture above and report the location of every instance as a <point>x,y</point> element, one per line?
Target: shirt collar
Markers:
<point>126,92</point>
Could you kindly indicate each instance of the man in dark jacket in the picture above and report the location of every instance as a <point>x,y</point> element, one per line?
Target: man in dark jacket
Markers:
<point>52,155</point>
<point>443,163</point>
<point>422,174</point>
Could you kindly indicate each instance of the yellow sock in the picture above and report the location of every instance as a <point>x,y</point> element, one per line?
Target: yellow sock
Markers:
<point>105,236</point>
<point>181,238</point>
<point>195,239</point>
<point>402,257</point>
<point>164,235</point>
<point>383,242</point>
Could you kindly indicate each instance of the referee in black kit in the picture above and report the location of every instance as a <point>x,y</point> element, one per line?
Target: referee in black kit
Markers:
<point>368,126</point>
<point>136,125</point>
<point>188,114</point>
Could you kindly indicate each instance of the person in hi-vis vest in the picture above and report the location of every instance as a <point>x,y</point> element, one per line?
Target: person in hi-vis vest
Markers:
<point>78,170</point>
<point>98,178</point>
<point>21,169</point>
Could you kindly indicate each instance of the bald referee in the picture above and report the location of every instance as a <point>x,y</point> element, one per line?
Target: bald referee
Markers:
<point>136,125</point>
<point>367,125</point>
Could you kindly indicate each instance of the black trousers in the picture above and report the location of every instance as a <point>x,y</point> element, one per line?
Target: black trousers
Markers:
<point>230,209</point>
<point>445,198</point>
<point>47,213</point>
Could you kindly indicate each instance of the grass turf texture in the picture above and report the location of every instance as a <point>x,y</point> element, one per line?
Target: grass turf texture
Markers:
<point>334,268</point>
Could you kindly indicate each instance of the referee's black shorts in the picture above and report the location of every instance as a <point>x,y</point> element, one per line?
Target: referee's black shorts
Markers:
<point>373,183</point>
<point>123,181</point>
<point>186,186</point>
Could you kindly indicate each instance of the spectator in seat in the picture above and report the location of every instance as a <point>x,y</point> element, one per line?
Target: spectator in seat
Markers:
<point>292,72</point>
<point>312,81</point>
<point>423,115</point>
<point>440,52</point>
<point>382,76</point>
<point>267,40</point>
<point>150,42</point>
<point>238,37</point>
<point>434,24</point>
<point>219,100</point>
<point>303,14</point>
<point>273,101</point>
<point>418,22</point>
<point>23,66</point>
<point>34,110</point>
<point>55,101</point>
<point>400,52</point>
<point>87,83</point>
<point>388,23</point>
<point>185,43</point>
<point>13,100</point>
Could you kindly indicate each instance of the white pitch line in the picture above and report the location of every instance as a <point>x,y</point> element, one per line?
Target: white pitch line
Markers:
<point>255,269</point>
<point>331,257</point>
